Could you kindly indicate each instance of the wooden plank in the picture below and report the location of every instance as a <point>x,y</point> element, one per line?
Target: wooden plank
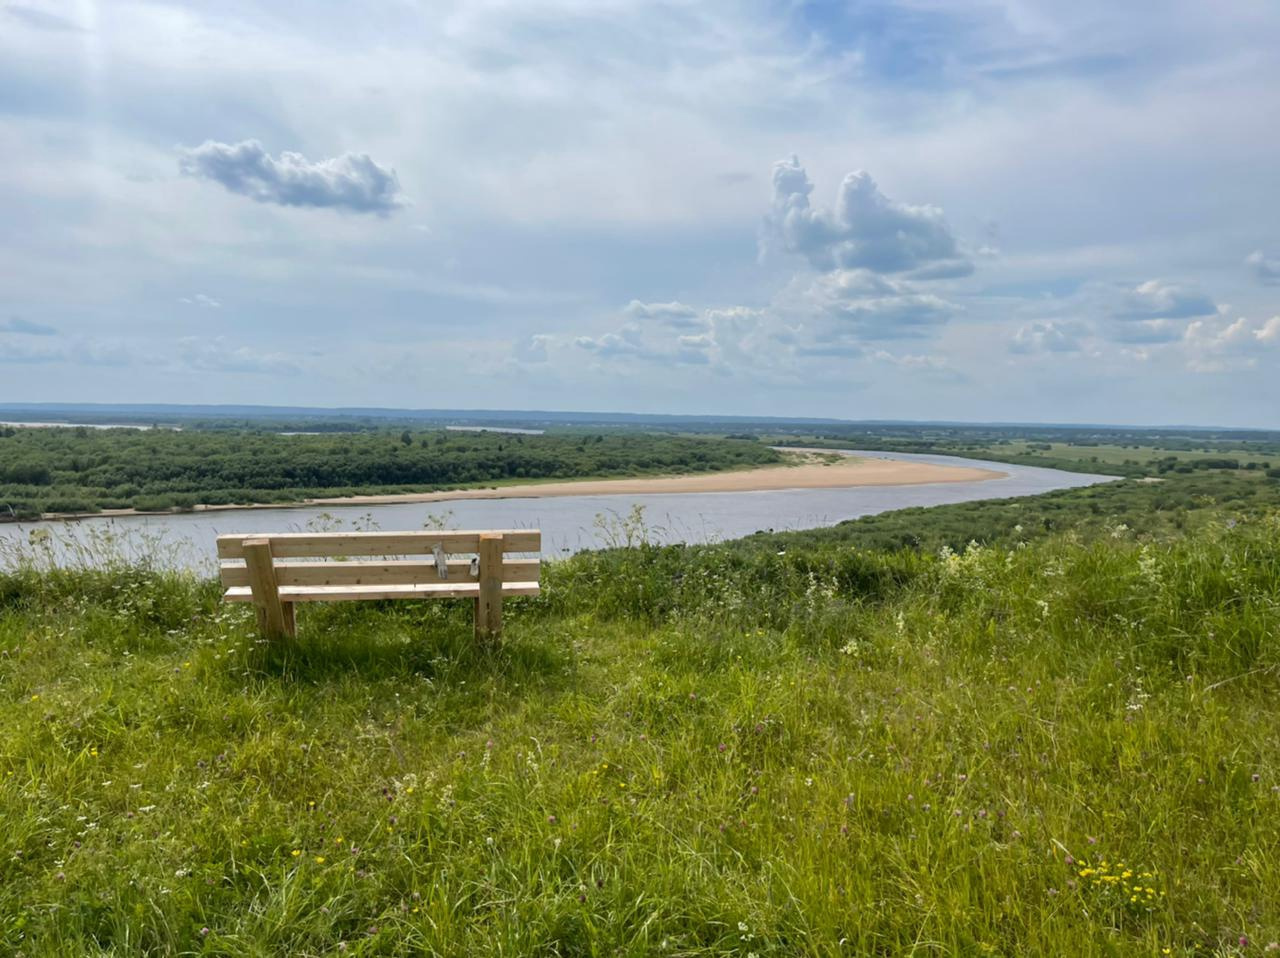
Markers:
<point>291,545</point>
<point>262,586</point>
<point>489,601</point>
<point>382,572</point>
<point>353,593</point>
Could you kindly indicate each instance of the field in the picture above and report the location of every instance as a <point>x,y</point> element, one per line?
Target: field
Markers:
<point>1064,743</point>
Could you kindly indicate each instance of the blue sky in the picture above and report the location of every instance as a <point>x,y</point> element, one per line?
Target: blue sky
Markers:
<point>1012,210</point>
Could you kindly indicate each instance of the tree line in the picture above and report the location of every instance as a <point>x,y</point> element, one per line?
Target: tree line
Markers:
<point>83,470</point>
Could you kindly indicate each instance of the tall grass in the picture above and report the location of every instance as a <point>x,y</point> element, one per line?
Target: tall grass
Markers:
<point>677,751</point>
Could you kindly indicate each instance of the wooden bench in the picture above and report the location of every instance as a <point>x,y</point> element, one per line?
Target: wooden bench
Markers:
<point>252,571</point>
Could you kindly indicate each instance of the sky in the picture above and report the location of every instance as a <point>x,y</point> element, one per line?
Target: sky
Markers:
<point>1012,210</point>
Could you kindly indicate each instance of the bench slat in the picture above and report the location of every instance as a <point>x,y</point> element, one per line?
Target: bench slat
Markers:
<point>312,544</point>
<point>378,573</point>
<point>350,593</point>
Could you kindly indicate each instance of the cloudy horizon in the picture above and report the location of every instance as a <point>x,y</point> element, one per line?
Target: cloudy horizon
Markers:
<point>894,209</point>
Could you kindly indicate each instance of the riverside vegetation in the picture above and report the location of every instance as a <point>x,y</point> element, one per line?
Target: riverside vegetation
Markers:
<point>1060,742</point>
<point>77,470</point>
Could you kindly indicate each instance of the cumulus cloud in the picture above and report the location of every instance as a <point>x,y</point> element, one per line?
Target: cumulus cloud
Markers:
<point>1218,346</point>
<point>627,341</point>
<point>865,306</point>
<point>1047,336</point>
<point>352,182</point>
<point>673,314</point>
<point>864,230</point>
<point>634,342</point>
<point>1265,271</point>
<point>1156,299</point>
<point>874,259</point>
<point>24,327</point>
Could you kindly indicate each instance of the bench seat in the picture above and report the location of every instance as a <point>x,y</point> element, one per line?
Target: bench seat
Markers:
<point>352,593</point>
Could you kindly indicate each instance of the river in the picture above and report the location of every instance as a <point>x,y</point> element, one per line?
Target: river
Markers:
<point>568,523</point>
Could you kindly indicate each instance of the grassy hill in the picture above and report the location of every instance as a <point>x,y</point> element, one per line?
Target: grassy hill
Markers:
<point>1066,745</point>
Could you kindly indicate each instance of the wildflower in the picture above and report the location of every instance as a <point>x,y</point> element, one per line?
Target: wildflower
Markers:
<point>296,852</point>
<point>204,932</point>
<point>319,859</point>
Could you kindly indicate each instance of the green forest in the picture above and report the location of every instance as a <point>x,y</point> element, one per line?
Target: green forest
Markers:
<point>86,470</point>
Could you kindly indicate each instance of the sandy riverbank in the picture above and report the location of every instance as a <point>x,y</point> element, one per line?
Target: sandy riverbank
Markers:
<point>805,469</point>
<point>809,469</point>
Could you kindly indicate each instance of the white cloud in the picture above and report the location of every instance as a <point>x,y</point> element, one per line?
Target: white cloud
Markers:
<point>352,181</point>
<point>1219,346</point>
<point>858,305</point>
<point>1047,336</point>
<point>864,230</point>
<point>1156,299</point>
<point>674,314</point>
<point>1265,271</point>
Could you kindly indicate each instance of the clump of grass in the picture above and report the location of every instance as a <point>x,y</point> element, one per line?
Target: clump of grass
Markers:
<point>685,751</point>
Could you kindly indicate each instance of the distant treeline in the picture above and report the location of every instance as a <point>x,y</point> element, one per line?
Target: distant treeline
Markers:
<point>84,470</point>
<point>1151,454</point>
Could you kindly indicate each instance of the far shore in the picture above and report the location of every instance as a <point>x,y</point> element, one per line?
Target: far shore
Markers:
<point>807,469</point>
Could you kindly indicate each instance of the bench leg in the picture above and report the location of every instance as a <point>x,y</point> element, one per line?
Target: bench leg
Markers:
<point>489,604</point>
<point>272,621</point>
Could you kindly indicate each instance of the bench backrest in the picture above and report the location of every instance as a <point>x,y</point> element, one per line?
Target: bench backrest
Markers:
<point>338,548</point>
<point>274,586</point>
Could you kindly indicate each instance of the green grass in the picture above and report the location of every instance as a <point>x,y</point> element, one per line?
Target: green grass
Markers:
<point>677,751</point>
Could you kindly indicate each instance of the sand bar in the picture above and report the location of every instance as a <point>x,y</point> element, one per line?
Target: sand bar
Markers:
<point>807,469</point>
<point>804,469</point>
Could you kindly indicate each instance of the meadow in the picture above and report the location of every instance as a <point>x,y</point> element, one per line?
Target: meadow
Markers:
<point>1061,743</point>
